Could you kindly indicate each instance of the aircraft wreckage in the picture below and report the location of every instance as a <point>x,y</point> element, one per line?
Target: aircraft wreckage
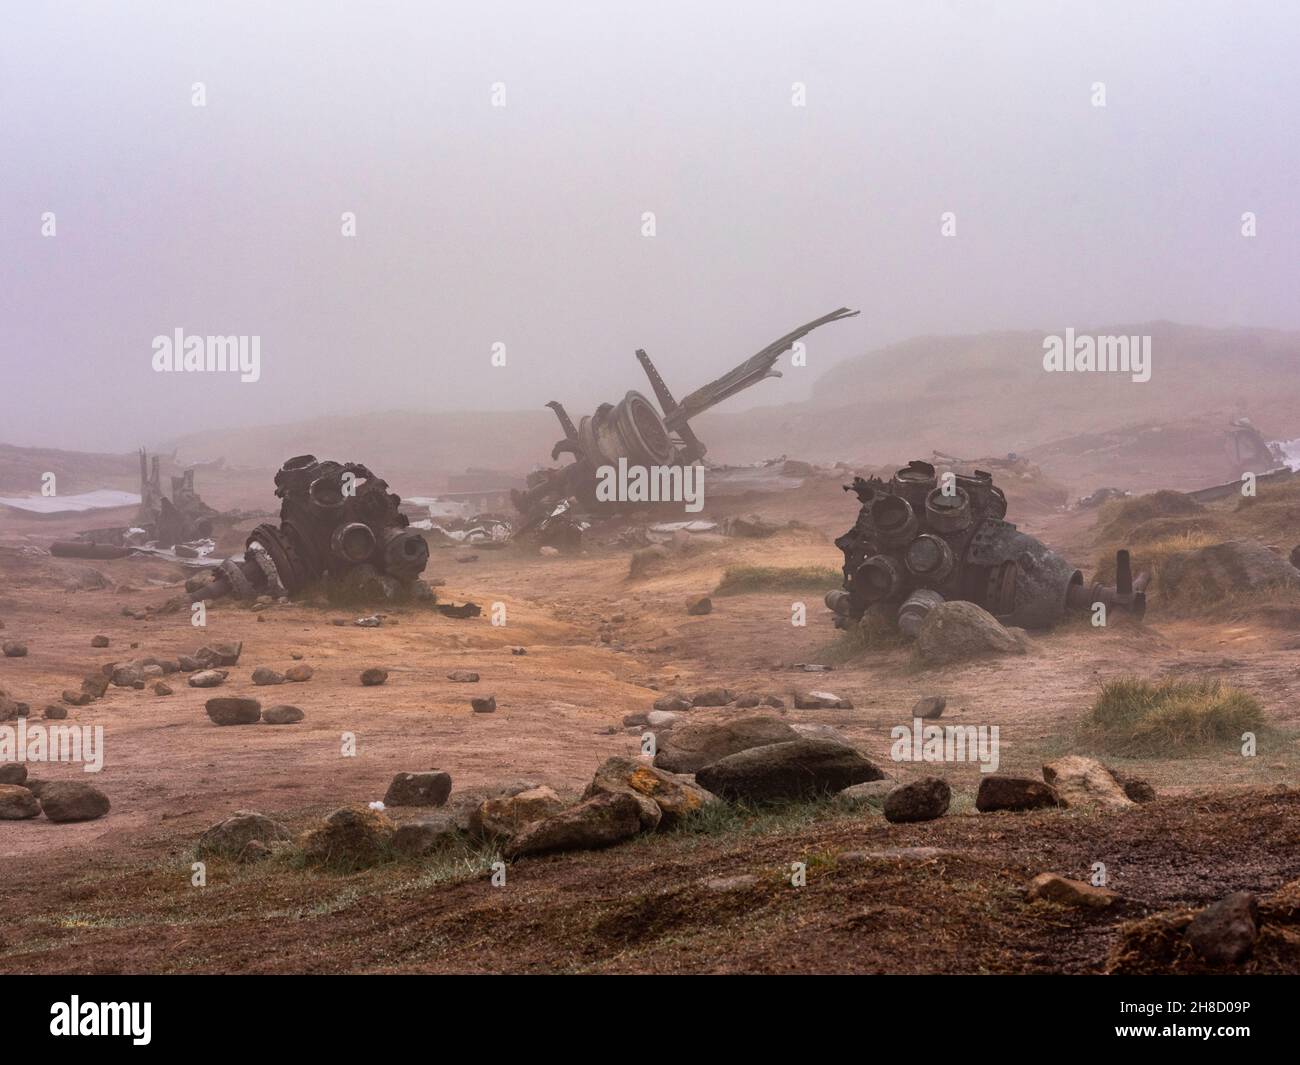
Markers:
<point>921,539</point>
<point>337,520</point>
<point>635,431</point>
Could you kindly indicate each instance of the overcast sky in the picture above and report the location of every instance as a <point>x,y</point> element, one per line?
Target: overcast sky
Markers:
<point>523,224</point>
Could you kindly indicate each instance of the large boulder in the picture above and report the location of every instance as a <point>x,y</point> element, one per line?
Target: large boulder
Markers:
<point>418,789</point>
<point>17,803</point>
<point>675,796</point>
<point>596,822</point>
<point>1233,566</point>
<point>72,800</point>
<point>695,744</point>
<point>1014,793</point>
<point>1080,781</point>
<point>796,769</point>
<point>227,838</point>
<point>957,630</point>
<point>353,837</point>
<point>921,800</point>
<point>505,815</point>
<point>434,832</point>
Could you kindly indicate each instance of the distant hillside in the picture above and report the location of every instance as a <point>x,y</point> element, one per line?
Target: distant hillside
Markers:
<point>989,394</point>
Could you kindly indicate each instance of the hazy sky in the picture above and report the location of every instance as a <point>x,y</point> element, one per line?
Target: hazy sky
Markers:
<point>522,224</point>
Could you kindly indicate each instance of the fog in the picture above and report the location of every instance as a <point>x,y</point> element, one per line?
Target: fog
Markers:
<point>523,224</point>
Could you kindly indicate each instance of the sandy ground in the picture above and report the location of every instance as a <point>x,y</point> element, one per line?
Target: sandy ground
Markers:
<point>170,772</point>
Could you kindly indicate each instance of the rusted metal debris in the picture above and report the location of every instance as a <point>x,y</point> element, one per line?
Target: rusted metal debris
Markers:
<point>180,519</point>
<point>635,430</point>
<point>917,543</point>
<point>337,520</point>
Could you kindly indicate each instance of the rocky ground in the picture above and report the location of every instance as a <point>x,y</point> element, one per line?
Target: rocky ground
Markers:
<point>710,892</point>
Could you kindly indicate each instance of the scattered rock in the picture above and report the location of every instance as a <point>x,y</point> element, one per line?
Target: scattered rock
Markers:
<point>1065,892</point>
<point>442,829</point>
<point>486,704</point>
<point>95,685</point>
<point>596,822</point>
<point>636,720</point>
<point>1135,788</point>
<point>661,720</point>
<point>698,606</point>
<point>1013,793</point>
<point>76,698</point>
<point>505,815</point>
<point>14,648</point>
<point>696,744</point>
<point>219,654</point>
<point>99,641</point>
<point>353,837</point>
<point>675,796</point>
<point>282,715</point>
<point>796,769</point>
<point>227,838</point>
<point>254,851</point>
<point>72,800</point>
<point>17,803</point>
<point>463,676</point>
<point>299,673</point>
<point>920,800</point>
<point>748,701</point>
<point>774,701</point>
<point>231,710</point>
<point>1081,781</point>
<point>713,697</point>
<point>892,854</point>
<point>55,712</point>
<point>1224,932</point>
<point>821,701</point>
<point>872,791</point>
<point>930,707</point>
<point>374,676</point>
<point>205,678</point>
<point>265,675</point>
<point>519,650</point>
<point>957,629</point>
<point>12,772</point>
<point>162,688</point>
<point>418,789</point>
<point>726,885</point>
<point>674,703</point>
<point>188,663</point>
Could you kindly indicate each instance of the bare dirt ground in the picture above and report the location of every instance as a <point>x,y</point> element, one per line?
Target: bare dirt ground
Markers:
<point>113,895</point>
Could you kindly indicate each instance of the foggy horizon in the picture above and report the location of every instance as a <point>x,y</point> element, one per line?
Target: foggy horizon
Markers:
<point>523,224</point>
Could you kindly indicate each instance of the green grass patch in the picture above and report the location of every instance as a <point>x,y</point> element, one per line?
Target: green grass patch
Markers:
<point>745,580</point>
<point>1170,718</point>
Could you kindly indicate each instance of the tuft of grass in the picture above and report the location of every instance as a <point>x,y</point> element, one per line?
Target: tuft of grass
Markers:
<point>737,818</point>
<point>744,580</point>
<point>1169,718</point>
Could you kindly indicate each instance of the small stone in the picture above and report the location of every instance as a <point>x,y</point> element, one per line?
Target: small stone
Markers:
<point>673,703</point>
<point>519,650</point>
<point>162,688</point>
<point>206,678</point>
<point>748,701</point>
<point>265,675</point>
<point>55,712</point>
<point>299,673</point>
<point>99,641</point>
<point>17,803</point>
<point>229,837</point>
<point>713,697</point>
<point>484,704</point>
<point>418,789</point>
<point>921,800</point>
<point>282,715</point>
<point>374,676</point>
<point>1013,793</point>
<point>14,649</point>
<point>12,772</point>
<point>1224,933</point>
<point>821,701</point>
<point>231,710</point>
<point>254,851</point>
<point>661,719</point>
<point>930,707</point>
<point>463,676</point>
<point>1065,892</point>
<point>77,698</point>
<point>699,606</point>
<point>72,800</point>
